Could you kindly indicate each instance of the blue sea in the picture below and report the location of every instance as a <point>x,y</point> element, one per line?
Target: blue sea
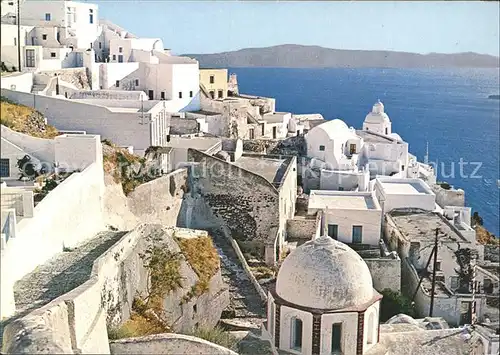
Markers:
<point>448,108</point>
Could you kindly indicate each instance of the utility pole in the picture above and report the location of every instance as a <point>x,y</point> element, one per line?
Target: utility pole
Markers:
<point>18,20</point>
<point>431,308</point>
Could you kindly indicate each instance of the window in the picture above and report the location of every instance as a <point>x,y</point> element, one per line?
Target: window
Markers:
<point>100,45</point>
<point>438,265</point>
<point>371,326</point>
<point>162,95</point>
<point>91,16</point>
<point>4,167</point>
<point>44,37</point>
<point>341,188</point>
<point>352,148</point>
<point>15,41</point>
<point>386,131</point>
<point>357,234</point>
<point>47,17</point>
<point>251,133</point>
<point>30,58</point>
<point>296,343</point>
<point>52,54</point>
<point>168,137</point>
<point>402,167</point>
<point>454,283</point>
<point>322,148</point>
<point>91,45</point>
<point>212,94</point>
<point>114,56</point>
<point>120,49</point>
<point>180,94</point>
<point>333,231</point>
<point>337,338</point>
<point>220,94</point>
<point>212,79</point>
<point>117,83</point>
<point>136,82</point>
<point>190,94</point>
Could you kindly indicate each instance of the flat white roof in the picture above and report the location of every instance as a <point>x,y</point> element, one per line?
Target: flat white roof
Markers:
<point>345,200</point>
<point>404,186</point>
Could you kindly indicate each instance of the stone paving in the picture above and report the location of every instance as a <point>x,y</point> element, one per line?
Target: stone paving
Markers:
<point>59,275</point>
<point>245,302</point>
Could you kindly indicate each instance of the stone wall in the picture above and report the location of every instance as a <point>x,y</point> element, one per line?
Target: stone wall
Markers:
<point>449,197</point>
<point>160,200</point>
<point>75,76</point>
<point>167,344</point>
<point>386,273</point>
<point>247,202</point>
<point>302,227</point>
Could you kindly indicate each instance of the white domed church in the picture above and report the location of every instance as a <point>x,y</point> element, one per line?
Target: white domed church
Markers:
<point>323,301</point>
<point>377,120</point>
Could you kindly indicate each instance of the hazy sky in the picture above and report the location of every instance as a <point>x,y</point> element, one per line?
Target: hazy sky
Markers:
<point>215,26</point>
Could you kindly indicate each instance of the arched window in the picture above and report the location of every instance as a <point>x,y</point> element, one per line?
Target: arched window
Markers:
<point>371,328</point>
<point>296,338</point>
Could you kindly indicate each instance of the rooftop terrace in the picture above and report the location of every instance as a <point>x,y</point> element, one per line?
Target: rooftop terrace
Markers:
<point>421,226</point>
<point>347,200</point>
<point>273,169</point>
<point>394,186</point>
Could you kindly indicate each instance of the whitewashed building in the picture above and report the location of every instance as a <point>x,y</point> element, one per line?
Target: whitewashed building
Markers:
<point>394,193</point>
<point>350,217</point>
<point>315,312</point>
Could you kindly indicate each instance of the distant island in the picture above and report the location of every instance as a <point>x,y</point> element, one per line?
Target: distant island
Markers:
<point>496,97</point>
<point>299,56</point>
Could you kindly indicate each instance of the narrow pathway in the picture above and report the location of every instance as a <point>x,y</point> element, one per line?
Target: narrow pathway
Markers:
<point>245,302</point>
<point>59,275</point>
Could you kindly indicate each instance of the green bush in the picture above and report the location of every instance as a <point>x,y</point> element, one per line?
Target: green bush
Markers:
<point>395,303</point>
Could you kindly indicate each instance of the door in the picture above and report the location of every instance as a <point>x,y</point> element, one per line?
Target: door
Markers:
<point>465,312</point>
<point>120,58</point>
<point>352,149</point>
<point>151,94</point>
<point>4,167</point>
<point>251,134</point>
<point>30,58</point>
<point>333,230</point>
<point>357,234</point>
<point>275,132</point>
<point>163,95</point>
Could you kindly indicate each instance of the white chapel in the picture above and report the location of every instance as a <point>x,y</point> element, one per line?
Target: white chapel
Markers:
<point>323,301</point>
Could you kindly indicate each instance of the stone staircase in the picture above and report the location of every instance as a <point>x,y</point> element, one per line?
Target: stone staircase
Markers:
<point>245,303</point>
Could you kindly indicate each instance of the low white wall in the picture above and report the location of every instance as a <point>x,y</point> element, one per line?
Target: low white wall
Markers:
<point>121,127</point>
<point>68,215</point>
<point>82,328</point>
<point>167,344</point>
<point>40,148</point>
<point>18,82</point>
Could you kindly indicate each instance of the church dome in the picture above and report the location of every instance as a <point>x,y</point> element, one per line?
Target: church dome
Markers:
<point>333,129</point>
<point>377,115</point>
<point>325,274</point>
